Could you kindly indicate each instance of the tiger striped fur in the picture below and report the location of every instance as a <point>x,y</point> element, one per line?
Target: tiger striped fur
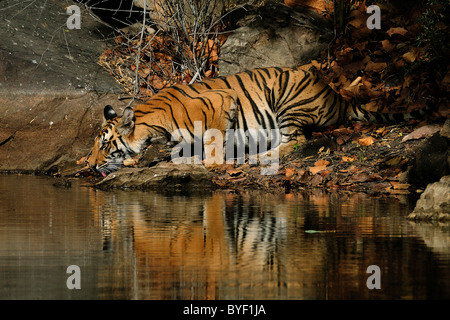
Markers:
<point>284,99</point>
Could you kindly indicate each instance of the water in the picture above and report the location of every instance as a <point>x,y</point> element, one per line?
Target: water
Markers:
<point>146,245</point>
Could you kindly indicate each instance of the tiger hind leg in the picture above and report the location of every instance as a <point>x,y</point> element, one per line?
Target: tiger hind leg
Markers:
<point>225,115</point>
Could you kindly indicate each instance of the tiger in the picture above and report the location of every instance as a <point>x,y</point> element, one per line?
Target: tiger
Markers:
<point>287,100</point>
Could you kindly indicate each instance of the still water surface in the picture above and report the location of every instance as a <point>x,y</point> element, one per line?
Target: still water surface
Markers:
<point>146,245</point>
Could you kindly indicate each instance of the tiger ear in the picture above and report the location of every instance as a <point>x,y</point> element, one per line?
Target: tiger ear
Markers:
<point>126,124</point>
<point>109,113</point>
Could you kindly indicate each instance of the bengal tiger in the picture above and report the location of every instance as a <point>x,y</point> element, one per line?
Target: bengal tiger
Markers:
<point>287,100</point>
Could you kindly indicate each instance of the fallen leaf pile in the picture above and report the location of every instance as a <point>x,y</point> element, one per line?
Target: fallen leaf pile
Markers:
<point>368,160</point>
<point>386,69</point>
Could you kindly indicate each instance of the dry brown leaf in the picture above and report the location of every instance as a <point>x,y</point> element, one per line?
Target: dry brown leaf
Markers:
<point>316,180</point>
<point>409,57</point>
<point>342,131</point>
<point>400,186</point>
<point>367,141</point>
<point>359,177</point>
<point>348,159</point>
<point>289,172</point>
<point>381,130</point>
<point>342,139</point>
<point>322,162</point>
<point>375,66</point>
<point>144,72</point>
<point>234,172</point>
<point>387,45</point>
<point>145,92</point>
<point>317,169</point>
<point>397,30</point>
<point>358,22</point>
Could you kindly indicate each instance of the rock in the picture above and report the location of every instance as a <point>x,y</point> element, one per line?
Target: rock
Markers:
<point>40,53</point>
<point>48,132</point>
<point>163,177</point>
<point>422,132</point>
<point>431,160</point>
<point>445,131</point>
<point>434,203</point>
<point>52,90</point>
<point>274,35</point>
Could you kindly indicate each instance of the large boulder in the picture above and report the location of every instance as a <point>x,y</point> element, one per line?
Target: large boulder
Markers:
<point>274,35</point>
<point>432,158</point>
<point>434,202</point>
<point>52,90</point>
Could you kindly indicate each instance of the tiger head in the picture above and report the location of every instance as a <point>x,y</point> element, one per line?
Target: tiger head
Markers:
<point>115,143</point>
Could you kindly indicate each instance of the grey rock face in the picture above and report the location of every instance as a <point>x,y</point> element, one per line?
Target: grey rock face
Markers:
<point>274,35</point>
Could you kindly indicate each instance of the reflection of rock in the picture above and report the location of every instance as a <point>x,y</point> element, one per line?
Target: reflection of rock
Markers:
<point>274,35</point>
<point>434,203</point>
<point>436,237</point>
<point>164,176</point>
<point>432,158</point>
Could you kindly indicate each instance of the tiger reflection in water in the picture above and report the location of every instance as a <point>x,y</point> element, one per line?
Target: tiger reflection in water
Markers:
<point>191,247</point>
